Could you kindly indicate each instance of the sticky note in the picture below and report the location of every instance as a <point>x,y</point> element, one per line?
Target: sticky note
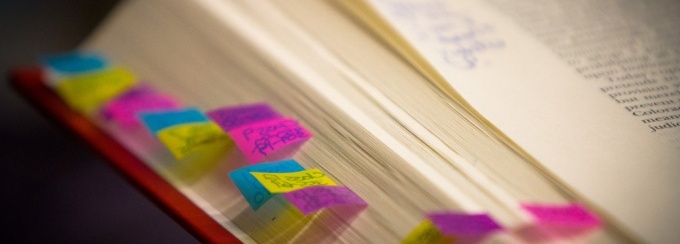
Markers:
<point>140,89</point>
<point>287,182</point>
<point>156,121</point>
<point>125,108</point>
<point>86,92</point>
<point>463,224</point>
<point>75,62</point>
<point>253,191</point>
<point>312,199</point>
<point>188,138</point>
<point>569,215</point>
<point>199,163</point>
<point>426,232</point>
<point>272,139</point>
<point>233,117</point>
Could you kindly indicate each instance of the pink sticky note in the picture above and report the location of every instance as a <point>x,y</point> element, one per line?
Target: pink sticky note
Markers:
<point>555,221</point>
<point>138,90</point>
<point>459,224</point>
<point>312,199</point>
<point>274,139</point>
<point>570,215</point>
<point>124,109</point>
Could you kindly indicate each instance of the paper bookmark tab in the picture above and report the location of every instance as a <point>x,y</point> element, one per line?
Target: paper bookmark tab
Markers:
<point>464,224</point>
<point>141,89</point>
<point>86,92</point>
<point>74,62</point>
<point>185,139</point>
<point>271,139</point>
<point>572,215</point>
<point>253,191</point>
<point>124,109</point>
<point>287,182</point>
<point>312,199</point>
<point>426,232</point>
<point>156,121</point>
<point>233,117</point>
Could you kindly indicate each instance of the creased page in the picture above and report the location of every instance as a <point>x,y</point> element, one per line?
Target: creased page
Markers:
<point>589,89</point>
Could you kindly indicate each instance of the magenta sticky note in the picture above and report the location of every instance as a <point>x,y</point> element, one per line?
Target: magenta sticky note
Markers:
<point>312,199</point>
<point>566,215</point>
<point>273,139</point>
<point>460,224</point>
<point>233,117</point>
<point>124,108</point>
<point>138,91</point>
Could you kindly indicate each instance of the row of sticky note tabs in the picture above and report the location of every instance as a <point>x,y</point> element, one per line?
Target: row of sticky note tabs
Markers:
<point>89,85</point>
<point>260,134</point>
<point>551,222</point>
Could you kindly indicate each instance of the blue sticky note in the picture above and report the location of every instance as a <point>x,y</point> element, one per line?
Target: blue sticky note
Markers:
<point>252,190</point>
<point>75,62</point>
<point>156,121</point>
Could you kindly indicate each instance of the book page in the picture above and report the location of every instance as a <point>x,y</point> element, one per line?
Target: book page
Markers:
<point>588,89</point>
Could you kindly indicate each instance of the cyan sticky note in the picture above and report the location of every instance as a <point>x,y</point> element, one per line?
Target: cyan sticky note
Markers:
<point>251,189</point>
<point>75,62</point>
<point>156,121</point>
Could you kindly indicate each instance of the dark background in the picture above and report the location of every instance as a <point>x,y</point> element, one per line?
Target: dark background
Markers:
<point>53,188</point>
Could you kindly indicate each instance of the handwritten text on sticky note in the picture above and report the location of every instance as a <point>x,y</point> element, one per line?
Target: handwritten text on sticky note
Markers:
<point>185,139</point>
<point>88,91</point>
<point>312,199</point>
<point>261,139</point>
<point>253,191</point>
<point>287,182</point>
<point>233,117</point>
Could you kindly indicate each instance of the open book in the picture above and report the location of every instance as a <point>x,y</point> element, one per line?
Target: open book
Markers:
<point>422,106</point>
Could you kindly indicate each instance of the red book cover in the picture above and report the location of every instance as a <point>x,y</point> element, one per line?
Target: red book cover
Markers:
<point>29,83</point>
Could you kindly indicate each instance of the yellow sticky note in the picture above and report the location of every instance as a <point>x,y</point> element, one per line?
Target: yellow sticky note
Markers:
<point>426,232</point>
<point>287,182</point>
<point>185,139</point>
<point>86,92</point>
